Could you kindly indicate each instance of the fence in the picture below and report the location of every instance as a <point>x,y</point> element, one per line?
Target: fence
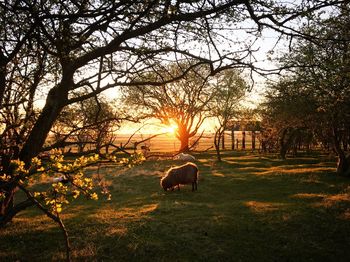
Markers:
<point>166,143</point>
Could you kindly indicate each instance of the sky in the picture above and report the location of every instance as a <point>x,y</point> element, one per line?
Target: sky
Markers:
<point>254,97</point>
<point>263,45</point>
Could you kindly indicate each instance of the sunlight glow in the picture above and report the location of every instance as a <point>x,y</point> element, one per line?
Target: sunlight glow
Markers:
<point>171,129</point>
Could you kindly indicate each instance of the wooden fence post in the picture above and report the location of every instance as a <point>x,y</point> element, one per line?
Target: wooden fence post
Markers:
<point>223,140</point>
<point>232,139</point>
<point>243,140</point>
<point>253,140</point>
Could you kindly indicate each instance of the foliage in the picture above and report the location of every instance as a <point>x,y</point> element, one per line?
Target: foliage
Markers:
<point>66,52</point>
<point>288,115</point>
<point>314,97</point>
<point>133,160</point>
<point>66,179</point>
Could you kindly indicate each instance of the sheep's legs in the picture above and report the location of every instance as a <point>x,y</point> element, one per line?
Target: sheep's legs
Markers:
<point>194,186</point>
<point>178,187</point>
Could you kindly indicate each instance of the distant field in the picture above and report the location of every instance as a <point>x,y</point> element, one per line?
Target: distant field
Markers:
<point>250,207</point>
<point>169,143</point>
<point>166,143</point>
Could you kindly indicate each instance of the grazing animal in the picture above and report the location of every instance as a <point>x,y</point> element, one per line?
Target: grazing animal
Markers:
<point>185,157</point>
<point>185,174</point>
<point>145,150</point>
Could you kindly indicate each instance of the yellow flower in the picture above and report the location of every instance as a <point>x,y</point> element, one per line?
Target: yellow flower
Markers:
<point>94,196</point>
<point>58,208</point>
<point>76,193</point>
<point>36,161</point>
<point>87,180</point>
<point>5,177</point>
<point>41,169</point>
<point>37,194</point>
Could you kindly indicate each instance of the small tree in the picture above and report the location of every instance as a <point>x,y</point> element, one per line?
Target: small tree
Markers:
<point>183,102</point>
<point>230,89</point>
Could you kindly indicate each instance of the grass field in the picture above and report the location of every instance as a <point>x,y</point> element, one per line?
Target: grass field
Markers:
<point>247,208</point>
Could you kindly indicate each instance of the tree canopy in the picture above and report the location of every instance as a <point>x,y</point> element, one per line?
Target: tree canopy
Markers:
<point>315,94</point>
<point>184,102</point>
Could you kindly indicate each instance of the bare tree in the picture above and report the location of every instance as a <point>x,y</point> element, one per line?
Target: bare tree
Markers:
<point>183,102</point>
<point>90,123</point>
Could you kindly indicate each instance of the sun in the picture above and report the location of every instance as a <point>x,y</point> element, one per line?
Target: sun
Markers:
<point>171,129</point>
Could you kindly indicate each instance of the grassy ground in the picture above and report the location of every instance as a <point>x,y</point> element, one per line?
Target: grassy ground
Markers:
<point>247,208</point>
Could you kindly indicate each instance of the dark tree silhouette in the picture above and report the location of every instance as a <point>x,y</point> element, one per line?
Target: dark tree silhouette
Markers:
<point>315,96</point>
<point>184,102</point>
<point>224,107</point>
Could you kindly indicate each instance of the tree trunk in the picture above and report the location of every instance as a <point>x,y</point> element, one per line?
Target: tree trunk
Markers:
<point>7,203</point>
<point>223,141</point>
<point>253,140</point>
<point>343,165</point>
<point>13,211</point>
<point>283,145</point>
<point>184,136</point>
<point>55,102</point>
<point>345,140</point>
<point>2,76</point>
<point>232,139</point>
<point>41,129</point>
<point>243,140</point>
<point>217,139</point>
<point>184,147</point>
<point>286,140</point>
<point>263,146</point>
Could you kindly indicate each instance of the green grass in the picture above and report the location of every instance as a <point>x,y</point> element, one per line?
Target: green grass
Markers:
<point>247,208</point>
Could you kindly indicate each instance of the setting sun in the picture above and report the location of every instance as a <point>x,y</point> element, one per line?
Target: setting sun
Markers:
<point>170,128</point>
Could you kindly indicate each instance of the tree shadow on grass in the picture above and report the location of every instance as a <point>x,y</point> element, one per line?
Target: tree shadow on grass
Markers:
<point>31,240</point>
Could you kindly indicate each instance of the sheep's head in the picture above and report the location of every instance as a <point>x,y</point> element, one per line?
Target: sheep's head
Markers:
<point>165,183</point>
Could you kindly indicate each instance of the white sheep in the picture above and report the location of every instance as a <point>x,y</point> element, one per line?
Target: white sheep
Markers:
<point>185,157</point>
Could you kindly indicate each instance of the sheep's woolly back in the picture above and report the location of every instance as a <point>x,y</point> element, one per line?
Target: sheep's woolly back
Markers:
<point>184,174</point>
<point>185,157</point>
